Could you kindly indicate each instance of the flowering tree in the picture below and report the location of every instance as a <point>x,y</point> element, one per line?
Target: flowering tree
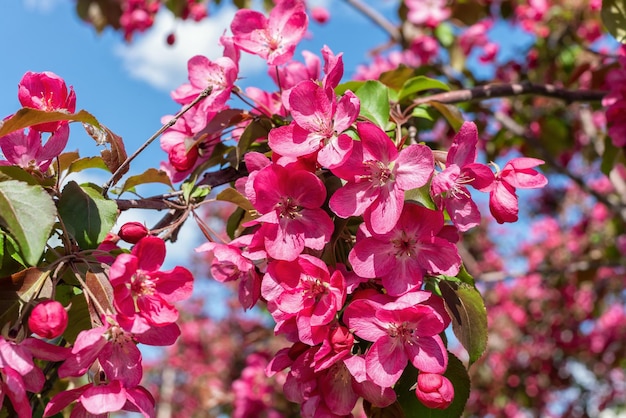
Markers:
<point>367,223</point>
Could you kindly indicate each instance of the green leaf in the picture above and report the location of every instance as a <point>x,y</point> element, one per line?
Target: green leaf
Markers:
<point>78,318</point>
<point>86,214</point>
<point>350,85</point>
<point>231,195</point>
<point>374,97</point>
<point>396,78</point>
<point>151,175</point>
<point>258,128</point>
<point>420,83</point>
<point>85,163</point>
<point>422,113</point>
<point>614,18</point>
<point>611,156</point>
<point>469,316</point>
<point>413,408</point>
<point>26,117</point>
<point>13,172</point>
<point>451,113</point>
<point>10,261</point>
<point>19,288</point>
<point>421,195</point>
<point>445,34</point>
<point>27,212</point>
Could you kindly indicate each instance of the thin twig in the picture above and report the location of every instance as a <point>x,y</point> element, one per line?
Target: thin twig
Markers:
<point>203,94</point>
<point>377,18</point>
<point>491,91</point>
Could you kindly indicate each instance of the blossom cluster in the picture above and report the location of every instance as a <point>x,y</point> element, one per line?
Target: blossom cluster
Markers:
<point>143,295</point>
<point>336,248</point>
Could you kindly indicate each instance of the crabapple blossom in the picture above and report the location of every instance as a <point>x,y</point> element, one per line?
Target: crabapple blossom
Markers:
<point>402,256</point>
<point>448,187</point>
<point>289,201</point>
<point>402,330</point>
<point>377,176</point>
<point>427,12</point>
<point>48,319</point>
<point>141,289</point>
<point>46,91</point>
<point>517,173</point>
<point>434,390</point>
<point>273,38</point>
<point>132,232</point>
<point>27,151</point>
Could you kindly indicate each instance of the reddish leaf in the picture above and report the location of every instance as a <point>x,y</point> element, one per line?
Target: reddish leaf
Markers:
<point>19,288</point>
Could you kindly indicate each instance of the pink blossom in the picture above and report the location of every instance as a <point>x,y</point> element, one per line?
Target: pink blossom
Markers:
<point>290,204</point>
<point>517,173</point>
<point>275,38</point>
<point>306,291</point>
<point>434,390</point>
<point>19,374</point>
<point>377,176</point>
<point>448,187</point>
<point>288,75</point>
<point>137,16</point>
<point>410,250</point>
<point>103,398</point>
<point>403,330</point>
<point>132,232</point>
<point>48,319</point>
<point>220,74</point>
<point>140,288</point>
<point>27,151</point>
<point>229,264</point>
<point>427,12</point>
<point>46,91</point>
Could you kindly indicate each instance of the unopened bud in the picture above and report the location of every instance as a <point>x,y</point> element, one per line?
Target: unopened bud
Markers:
<point>48,319</point>
<point>132,232</point>
<point>434,390</point>
<point>181,158</point>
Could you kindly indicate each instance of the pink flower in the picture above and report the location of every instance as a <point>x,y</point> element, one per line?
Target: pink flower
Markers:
<point>27,151</point>
<point>103,398</point>
<point>46,91</point>
<point>434,390</point>
<point>448,187</point>
<point>377,176</point>
<point>306,291</point>
<point>319,120</point>
<point>320,14</point>
<point>48,319</point>
<point>275,38</point>
<point>403,330</point>
<point>220,74</point>
<point>410,250</point>
<point>229,264</point>
<point>290,202</point>
<point>427,12</point>
<point>19,374</point>
<point>517,173</point>
<point>140,288</point>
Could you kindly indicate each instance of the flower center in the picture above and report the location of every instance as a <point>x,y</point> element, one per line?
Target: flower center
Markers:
<point>379,173</point>
<point>287,208</point>
<point>142,284</point>
<point>404,331</point>
<point>406,247</point>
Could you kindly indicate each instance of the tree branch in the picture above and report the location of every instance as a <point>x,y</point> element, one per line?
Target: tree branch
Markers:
<point>491,91</point>
<point>377,18</point>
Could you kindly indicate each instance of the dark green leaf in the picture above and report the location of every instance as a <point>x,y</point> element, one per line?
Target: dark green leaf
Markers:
<point>614,18</point>
<point>256,129</point>
<point>26,117</point>
<point>469,316</point>
<point>420,83</point>
<point>78,318</point>
<point>374,97</point>
<point>10,261</point>
<point>151,175</point>
<point>13,172</point>
<point>86,214</point>
<point>451,113</point>
<point>18,289</point>
<point>396,78</point>
<point>27,212</point>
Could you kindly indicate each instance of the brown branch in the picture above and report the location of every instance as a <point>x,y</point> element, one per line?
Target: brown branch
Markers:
<point>377,18</point>
<point>492,91</point>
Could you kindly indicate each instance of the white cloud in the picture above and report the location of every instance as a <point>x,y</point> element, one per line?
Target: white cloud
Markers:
<point>41,6</point>
<point>164,67</point>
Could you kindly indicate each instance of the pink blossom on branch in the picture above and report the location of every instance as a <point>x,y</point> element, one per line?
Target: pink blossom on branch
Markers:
<point>273,38</point>
<point>27,151</point>
<point>377,176</point>
<point>46,91</point>
<point>402,256</point>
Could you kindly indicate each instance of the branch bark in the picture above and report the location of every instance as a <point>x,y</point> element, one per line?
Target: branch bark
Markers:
<point>492,91</point>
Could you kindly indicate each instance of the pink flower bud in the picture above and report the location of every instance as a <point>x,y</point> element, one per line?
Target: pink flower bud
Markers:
<point>48,319</point>
<point>181,158</point>
<point>320,15</point>
<point>132,232</point>
<point>434,390</point>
